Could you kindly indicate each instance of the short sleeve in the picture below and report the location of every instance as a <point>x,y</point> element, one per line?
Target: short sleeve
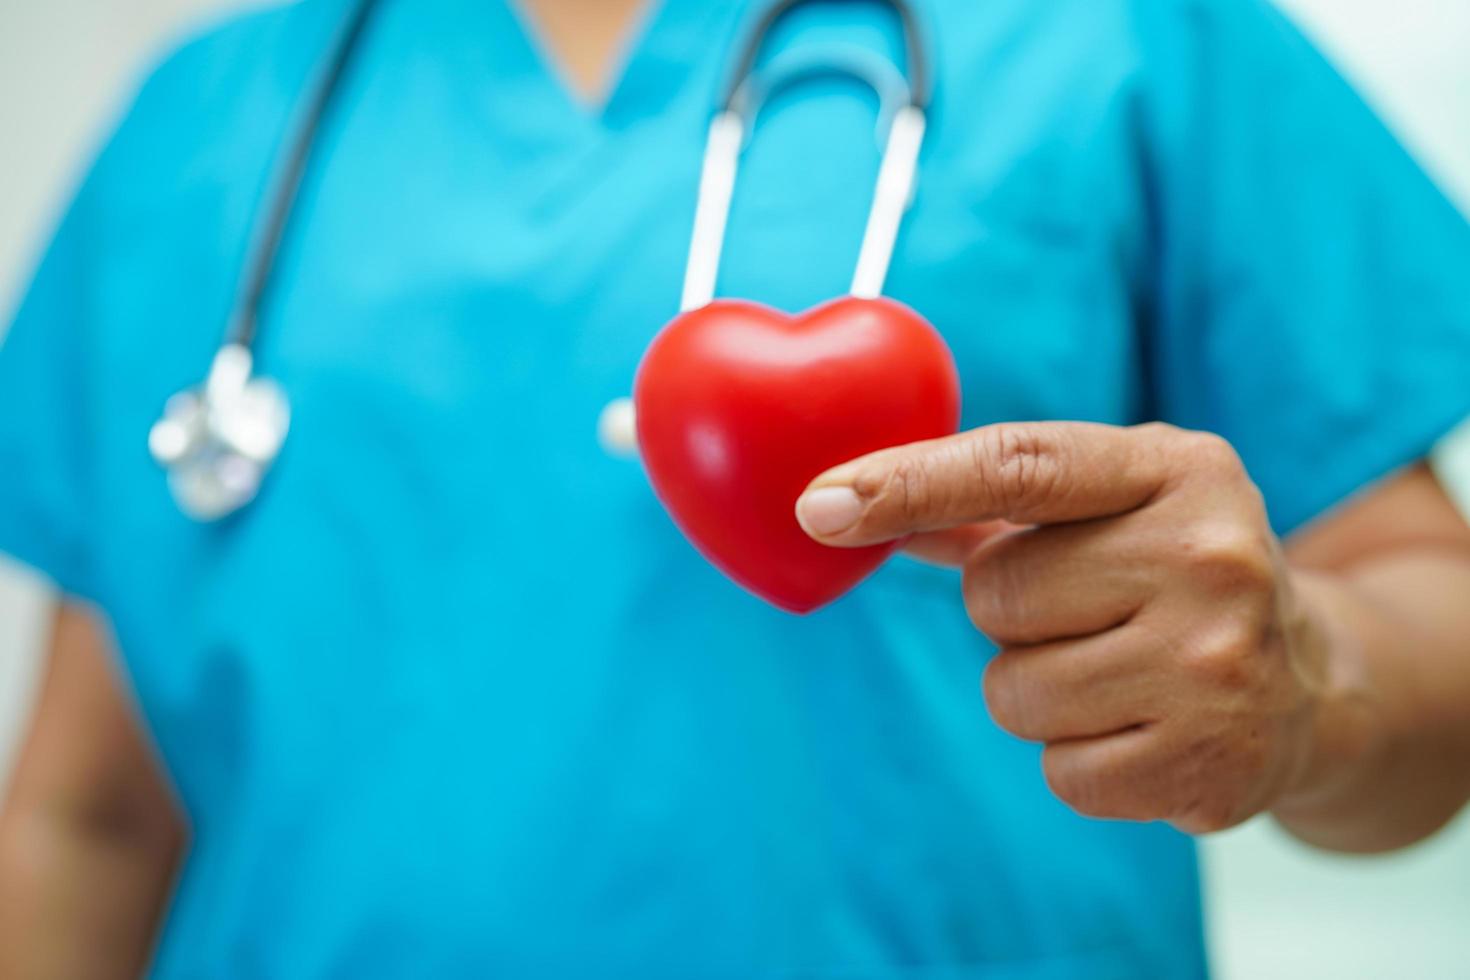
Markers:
<point>1451,461</point>
<point>1311,286</point>
<point>191,131</point>
<point>46,443</point>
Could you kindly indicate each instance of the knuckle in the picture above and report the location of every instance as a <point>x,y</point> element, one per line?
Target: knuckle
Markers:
<point>911,489</point>
<point>1230,558</point>
<point>1159,431</point>
<point>1018,463</point>
<point>1211,452</point>
<point>902,490</point>
<point>1227,657</point>
<point>1160,434</point>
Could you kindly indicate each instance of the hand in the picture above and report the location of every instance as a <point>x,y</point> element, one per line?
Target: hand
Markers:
<point>1148,630</point>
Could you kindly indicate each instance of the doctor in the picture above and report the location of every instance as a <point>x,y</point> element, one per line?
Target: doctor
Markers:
<point>453,697</point>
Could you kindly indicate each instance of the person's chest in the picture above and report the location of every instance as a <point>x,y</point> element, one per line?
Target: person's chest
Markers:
<point>474,268</point>
<point>450,608</point>
<point>472,244</point>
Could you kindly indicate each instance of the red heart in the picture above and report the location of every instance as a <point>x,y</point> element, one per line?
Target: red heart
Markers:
<point>740,406</point>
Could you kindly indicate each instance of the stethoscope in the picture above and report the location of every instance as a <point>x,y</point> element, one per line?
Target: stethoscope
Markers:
<point>218,440</point>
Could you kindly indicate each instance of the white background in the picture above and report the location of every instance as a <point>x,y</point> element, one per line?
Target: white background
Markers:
<point>1276,910</point>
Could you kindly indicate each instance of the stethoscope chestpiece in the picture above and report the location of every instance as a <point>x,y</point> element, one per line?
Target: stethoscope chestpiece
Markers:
<point>217,441</point>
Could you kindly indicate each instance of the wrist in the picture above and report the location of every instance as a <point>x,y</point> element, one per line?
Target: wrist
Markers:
<point>1345,733</point>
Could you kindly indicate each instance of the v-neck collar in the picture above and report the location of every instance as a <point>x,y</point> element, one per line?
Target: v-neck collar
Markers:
<point>674,44</point>
<point>669,46</point>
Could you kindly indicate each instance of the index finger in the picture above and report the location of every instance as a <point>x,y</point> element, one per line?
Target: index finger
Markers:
<point>1023,472</point>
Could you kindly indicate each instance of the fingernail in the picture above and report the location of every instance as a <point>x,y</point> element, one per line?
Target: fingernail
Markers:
<point>828,510</point>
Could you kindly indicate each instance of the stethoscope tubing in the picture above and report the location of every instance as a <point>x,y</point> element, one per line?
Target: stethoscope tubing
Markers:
<point>219,440</point>
<point>738,105</point>
<point>918,67</point>
<point>265,258</point>
<point>725,139</point>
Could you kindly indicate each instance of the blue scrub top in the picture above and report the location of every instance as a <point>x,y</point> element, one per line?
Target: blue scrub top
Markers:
<point>454,698</point>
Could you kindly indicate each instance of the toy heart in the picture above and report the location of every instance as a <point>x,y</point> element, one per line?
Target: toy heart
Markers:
<point>740,406</point>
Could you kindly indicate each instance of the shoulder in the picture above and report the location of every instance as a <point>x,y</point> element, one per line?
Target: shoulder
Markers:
<point>217,63</point>
<point>1203,29</point>
<point>1054,47</point>
<point>1089,28</point>
<point>213,101</point>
